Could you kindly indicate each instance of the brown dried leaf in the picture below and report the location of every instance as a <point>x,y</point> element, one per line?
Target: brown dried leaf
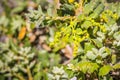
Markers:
<point>46,47</point>
<point>42,39</point>
<point>68,51</point>
<point>32,37</point>
<point>38,32</point>
<point>22,33</point>
<point>31,4</point>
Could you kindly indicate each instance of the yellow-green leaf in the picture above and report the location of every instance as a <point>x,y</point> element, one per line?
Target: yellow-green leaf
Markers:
<point>104,70</point>
<point>116,66</point>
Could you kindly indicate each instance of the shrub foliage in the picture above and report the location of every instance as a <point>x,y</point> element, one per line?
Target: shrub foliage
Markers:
<point>90,29</point>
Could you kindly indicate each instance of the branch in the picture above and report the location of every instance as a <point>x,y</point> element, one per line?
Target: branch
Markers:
<point>18,76</point>
<point>29,74</point>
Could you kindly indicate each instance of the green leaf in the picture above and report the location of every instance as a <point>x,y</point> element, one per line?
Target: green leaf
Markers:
<point>94,67</point>
<point>113,58</point>
<point>101,35</point>
<point>97,11</point>
<point>104,70</point>
<point>95,30</point>
<point>40,75</point>
<point>88,67</point>
<point>79,31</point>
<point>90,6</point>
<point>88,47</point>
<point>118,9</point>
<point>86,24</point>
<point>97,43</point>
<point>13,46</point>
<point>91,55</point>
<point>18,9</point>
<point>116,66</point>
<point>2,77</point>
<point>81,17</point>
<point>117,35</point>
<point>83,66</point>
<point>111,21</point>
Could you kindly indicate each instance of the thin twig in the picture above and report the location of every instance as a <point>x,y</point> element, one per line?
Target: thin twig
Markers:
<point>18,76</point>
<point>29,74</point>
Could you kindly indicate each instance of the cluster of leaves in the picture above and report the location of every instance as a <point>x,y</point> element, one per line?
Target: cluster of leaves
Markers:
<point>88,30</point>
<point>19,58</point>
<point>91,28</point>
<point>23,63</point>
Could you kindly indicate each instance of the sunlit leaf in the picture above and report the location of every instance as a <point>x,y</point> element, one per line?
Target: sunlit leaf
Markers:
<point>104,70</point>
<point>116,66</point>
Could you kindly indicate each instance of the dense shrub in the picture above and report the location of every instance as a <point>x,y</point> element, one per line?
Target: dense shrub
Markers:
<point>84,35</point>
